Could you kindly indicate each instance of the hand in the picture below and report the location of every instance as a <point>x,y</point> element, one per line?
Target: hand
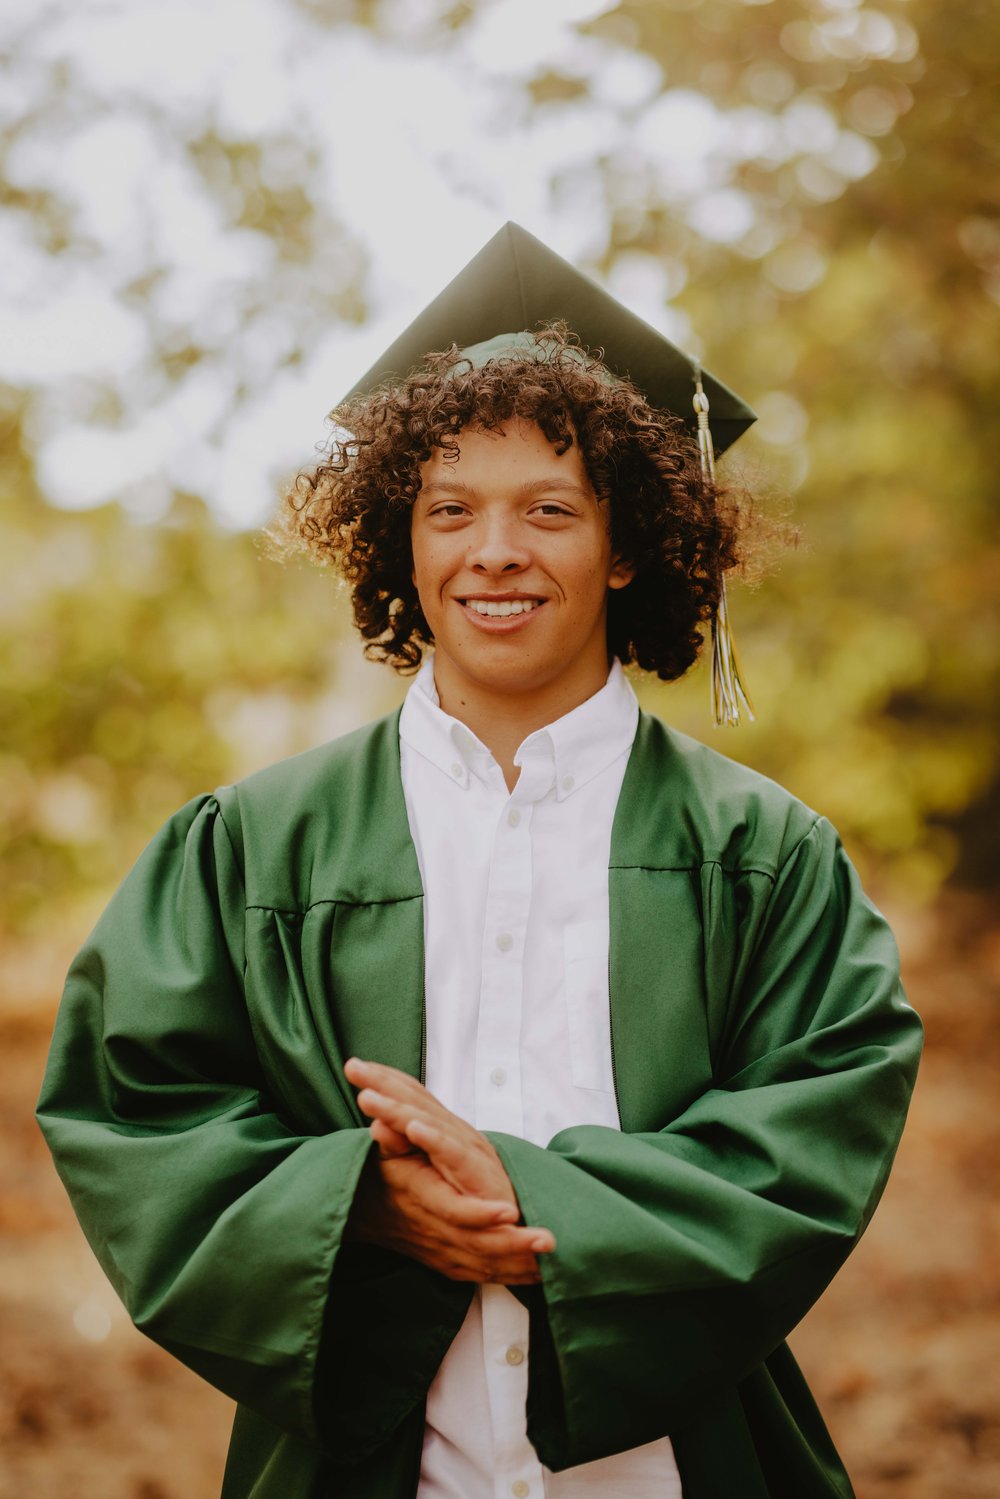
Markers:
<point>440,1192</point>
<point>405,1116</point>
<point>403,1203</point>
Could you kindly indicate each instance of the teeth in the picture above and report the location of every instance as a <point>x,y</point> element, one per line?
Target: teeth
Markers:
<point>516,606</point>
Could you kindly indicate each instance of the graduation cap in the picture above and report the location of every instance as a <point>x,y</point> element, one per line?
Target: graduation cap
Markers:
<point>516,283</point>
<point>513,284</point>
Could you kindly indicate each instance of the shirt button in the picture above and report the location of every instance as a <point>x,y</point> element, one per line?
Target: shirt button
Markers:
<point>456,771</point>
<point>505,942</point>
<point>568,783</point>
<point>514,1355</point>
<point>520,1489</point>
<point>498,1077</point>
<point>513,818</point>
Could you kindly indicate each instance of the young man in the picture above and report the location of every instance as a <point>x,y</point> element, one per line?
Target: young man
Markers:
<point>479,1100</point>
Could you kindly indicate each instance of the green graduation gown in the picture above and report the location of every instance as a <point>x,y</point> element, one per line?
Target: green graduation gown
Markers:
<point>198,1113</point>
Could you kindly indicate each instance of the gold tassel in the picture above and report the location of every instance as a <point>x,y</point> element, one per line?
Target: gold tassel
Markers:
<point>728,689</point>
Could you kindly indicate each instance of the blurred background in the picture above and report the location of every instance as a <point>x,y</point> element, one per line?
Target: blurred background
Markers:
<point>213,215</point>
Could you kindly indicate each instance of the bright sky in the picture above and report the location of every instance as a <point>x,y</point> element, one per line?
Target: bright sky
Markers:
<point>446,158</point>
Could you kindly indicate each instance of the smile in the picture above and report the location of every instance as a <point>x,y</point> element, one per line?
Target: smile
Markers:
<point>500,616</point>
<point>501,610</point>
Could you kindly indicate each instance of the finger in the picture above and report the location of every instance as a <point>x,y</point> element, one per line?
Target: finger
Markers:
<point>530,1241</point>
<point>438,1199</point>
<point>440,1203</point>
<point>392,1117</point>
<point>480,1213</point>
<point>515,1270</point>
<point>465,1159</point>
<point>395,1087</point>
<point>390,1142</point>
<point>502,1243</point>
<point>363,1067</point>
<point>454,1146</point>
<point>390,1110</point>
<point>432,1140</point>
<point>450,1153</point>
<point>386,1079</point>
<point>446,1204</point>
<point>400,1086</point>
<point>499,1256</point>
<point>456,1158</point>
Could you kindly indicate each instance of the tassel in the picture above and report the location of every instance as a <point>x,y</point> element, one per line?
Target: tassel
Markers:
<point>727,687</point>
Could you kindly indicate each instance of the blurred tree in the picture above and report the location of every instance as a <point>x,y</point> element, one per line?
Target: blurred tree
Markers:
<point>811,191</point>
<point>171,242</point>
<point>142,664</point>
<point>839,256</point>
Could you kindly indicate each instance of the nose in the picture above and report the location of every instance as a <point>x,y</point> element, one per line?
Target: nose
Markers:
<point>496,546</point>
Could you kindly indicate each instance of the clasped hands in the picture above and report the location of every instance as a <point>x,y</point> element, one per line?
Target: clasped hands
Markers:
<point>437,1191</point>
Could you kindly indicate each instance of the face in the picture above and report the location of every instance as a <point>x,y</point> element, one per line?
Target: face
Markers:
<point>512,562</point>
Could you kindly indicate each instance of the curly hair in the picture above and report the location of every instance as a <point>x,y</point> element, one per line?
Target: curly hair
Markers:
<point>679,533</point>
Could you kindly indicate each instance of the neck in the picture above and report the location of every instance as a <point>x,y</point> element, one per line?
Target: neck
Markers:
<point>502,721</point>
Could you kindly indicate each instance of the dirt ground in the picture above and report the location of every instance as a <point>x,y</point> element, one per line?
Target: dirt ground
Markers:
<point>903,1352</point>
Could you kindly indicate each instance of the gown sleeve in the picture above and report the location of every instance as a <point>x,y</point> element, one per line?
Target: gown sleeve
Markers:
<point>218,1224</point>
<point>685,1256</point>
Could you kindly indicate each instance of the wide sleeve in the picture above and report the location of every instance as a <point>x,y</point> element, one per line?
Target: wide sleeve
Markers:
<point>217,1222</point>
<point>685,1256</point>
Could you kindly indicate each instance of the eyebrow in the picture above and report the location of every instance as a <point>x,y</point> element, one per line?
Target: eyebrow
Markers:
<point>533,486</point>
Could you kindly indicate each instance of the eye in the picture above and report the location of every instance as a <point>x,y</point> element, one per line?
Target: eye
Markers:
<point>449,510</point>
<point>551,508</point>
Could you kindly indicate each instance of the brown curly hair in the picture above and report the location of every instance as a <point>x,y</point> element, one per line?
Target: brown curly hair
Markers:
<point>680,533</point>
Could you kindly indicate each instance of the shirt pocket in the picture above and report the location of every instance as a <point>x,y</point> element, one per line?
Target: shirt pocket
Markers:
<point>588,1010</point>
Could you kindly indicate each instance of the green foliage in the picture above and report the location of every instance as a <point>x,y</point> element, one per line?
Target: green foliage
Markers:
<point>875,653</point>
<point>142,665</point>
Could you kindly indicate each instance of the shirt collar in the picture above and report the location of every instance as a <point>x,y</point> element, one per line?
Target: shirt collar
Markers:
<point>576,747</point>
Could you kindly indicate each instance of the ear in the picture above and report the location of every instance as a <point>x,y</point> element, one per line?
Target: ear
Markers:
<point>621,573</point>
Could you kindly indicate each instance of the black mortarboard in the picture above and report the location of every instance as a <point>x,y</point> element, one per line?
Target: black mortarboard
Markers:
<point>515,283</point>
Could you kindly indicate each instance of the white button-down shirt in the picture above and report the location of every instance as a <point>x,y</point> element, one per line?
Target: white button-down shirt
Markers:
<point>518,1031</point>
